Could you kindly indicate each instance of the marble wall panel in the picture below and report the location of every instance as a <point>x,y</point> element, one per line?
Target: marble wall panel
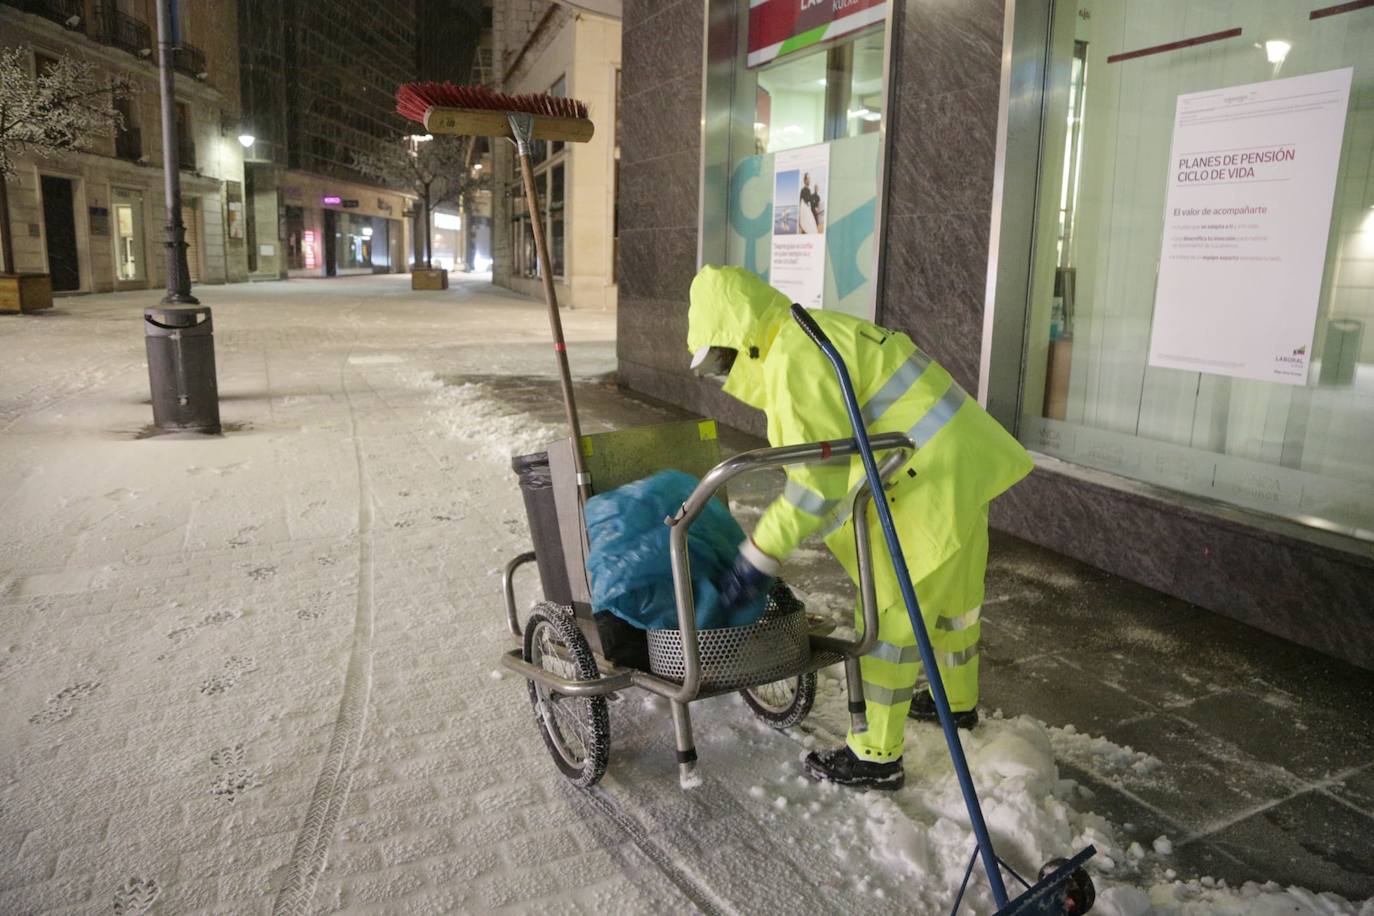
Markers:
<point>1309,593</point>
<point>663,120</point>
<point>660,193</point>
<point>663,45</point>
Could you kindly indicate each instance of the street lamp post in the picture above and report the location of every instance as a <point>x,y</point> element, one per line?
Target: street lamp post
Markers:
<point>179,341</point>
<point>178,274</point>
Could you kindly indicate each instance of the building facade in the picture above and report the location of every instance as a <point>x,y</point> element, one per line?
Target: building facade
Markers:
<point>1002,187</point>
<point>94,219</point>
<point>319,84</point>
<point>541,46</point>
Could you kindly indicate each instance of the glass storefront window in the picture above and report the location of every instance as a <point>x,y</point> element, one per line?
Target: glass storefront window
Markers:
<point>829,93</point>
<point>790,107</point>
<point>1090,394</point>
<point>550,181</point>
<point>128,234</point>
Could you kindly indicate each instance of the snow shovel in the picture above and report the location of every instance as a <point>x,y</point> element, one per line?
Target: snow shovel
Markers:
<point>1062,888</point>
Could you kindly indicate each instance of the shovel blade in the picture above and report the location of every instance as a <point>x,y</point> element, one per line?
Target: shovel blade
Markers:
<point>1046,897</point>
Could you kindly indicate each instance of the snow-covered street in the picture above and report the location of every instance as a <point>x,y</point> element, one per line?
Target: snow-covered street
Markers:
<point>259,672</point>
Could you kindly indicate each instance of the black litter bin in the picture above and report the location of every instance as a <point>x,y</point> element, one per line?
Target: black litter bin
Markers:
<point>181,368</point>
<point>620,642</point>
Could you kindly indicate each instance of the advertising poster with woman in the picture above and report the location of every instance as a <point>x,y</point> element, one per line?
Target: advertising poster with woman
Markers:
<point>800,177</point>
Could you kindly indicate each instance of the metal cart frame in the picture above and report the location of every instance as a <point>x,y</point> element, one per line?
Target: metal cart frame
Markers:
<point>826,650</point>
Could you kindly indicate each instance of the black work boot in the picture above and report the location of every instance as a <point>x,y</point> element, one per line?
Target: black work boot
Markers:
<point>923,710</point>
<point>843,767</point>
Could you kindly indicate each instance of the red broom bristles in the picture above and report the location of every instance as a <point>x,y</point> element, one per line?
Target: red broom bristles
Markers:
<point>413,100</point>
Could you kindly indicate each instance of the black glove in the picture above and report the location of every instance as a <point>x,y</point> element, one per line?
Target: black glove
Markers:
<point>751,575</point>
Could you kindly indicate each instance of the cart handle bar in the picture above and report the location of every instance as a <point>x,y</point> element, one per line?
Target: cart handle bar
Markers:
<point>754,460</point>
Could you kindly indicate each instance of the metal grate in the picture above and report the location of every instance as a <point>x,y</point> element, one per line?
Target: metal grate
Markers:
<point>774,648</point>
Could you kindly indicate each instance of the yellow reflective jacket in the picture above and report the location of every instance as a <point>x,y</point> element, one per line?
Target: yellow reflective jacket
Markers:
<point>964,457</point>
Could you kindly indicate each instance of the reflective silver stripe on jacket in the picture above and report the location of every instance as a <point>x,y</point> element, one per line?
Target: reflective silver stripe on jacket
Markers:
<point>931,422</point>
<point>936,418</point>
<point>886,696</point>
<point>809,501</point>
<point>899,384</point>
<point>960,622</point>
<point>897,655</point>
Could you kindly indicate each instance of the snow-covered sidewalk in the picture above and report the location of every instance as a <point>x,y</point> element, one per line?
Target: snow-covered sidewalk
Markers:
<point>258,673</point>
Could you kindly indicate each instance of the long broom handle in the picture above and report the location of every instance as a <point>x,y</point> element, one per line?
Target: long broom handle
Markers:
<point>555,322</point>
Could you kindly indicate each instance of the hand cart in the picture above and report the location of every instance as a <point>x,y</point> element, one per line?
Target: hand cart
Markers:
<point>773,662</point>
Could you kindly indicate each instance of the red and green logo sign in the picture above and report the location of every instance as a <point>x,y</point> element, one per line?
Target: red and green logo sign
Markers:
<point>778,27</point>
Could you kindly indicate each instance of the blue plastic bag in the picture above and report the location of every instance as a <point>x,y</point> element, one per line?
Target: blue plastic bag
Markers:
<point>628,563</point>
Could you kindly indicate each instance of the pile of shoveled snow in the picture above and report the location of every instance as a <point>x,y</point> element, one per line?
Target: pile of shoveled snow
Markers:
<point>471,413</point>
<point>1207,897</point>
<point>921,834</point>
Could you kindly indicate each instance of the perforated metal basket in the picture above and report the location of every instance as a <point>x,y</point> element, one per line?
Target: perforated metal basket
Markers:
<point>774,648</point>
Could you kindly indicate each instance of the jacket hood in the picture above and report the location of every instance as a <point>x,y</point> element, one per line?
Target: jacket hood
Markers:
<point>732,307</point>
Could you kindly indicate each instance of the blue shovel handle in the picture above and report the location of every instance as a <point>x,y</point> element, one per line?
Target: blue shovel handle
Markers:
<point>913,607</point>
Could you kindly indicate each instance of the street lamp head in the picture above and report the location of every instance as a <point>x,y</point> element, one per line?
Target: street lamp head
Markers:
<point>246,139</point>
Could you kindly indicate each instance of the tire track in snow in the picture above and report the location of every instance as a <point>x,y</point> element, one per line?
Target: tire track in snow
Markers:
<point>336,776</point>
<point>699,894</point>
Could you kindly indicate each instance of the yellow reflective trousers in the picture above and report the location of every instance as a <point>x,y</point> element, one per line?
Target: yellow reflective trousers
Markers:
<point>951,599</point>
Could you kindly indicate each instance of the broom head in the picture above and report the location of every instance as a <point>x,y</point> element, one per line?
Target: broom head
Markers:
<point>475,111</point>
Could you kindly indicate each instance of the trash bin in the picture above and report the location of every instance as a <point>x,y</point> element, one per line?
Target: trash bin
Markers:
<point>181,368</point>
<point>536,488</point>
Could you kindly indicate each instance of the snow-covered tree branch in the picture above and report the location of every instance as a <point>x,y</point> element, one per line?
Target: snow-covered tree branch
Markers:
<point>56,111</point>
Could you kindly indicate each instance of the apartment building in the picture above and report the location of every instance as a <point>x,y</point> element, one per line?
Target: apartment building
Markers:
<point>543,46</point>
<point>94,219</point>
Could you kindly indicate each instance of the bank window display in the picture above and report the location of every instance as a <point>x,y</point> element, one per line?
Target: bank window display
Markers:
<point>1202,283</point>
<point>803,95</point>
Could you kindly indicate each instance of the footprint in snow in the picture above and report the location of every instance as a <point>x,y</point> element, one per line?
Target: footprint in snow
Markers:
<point>235,667</point>
<point>136,896</point>
<point>62,704</point>
<point>234,778</point>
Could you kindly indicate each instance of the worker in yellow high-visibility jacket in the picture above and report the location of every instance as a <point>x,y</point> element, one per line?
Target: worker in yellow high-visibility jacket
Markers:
<point>739,326</point>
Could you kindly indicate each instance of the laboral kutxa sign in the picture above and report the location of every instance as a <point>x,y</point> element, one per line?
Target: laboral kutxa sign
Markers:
<point>778,27</point>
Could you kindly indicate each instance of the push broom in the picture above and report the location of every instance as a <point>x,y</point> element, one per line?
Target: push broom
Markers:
<point>474,111</point>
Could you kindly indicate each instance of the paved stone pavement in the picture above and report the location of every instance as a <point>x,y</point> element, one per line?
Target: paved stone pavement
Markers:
<point>257,672</point>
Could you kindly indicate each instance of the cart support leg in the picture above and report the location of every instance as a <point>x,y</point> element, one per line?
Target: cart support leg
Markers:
<point>858,720</point>
<point>686,747</point>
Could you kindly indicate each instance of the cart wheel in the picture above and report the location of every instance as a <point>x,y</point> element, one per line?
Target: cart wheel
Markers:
<point>576,729</point>
<point>783,704</point>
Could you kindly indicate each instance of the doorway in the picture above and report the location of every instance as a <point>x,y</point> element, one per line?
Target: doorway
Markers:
<point>190,219</point>
<point>59,225</point>
<point>128,235</point>
<point>331,242</point>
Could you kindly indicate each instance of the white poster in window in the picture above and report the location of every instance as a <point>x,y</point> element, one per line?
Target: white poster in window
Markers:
<point>800,179</point>
<point>1252,175</point>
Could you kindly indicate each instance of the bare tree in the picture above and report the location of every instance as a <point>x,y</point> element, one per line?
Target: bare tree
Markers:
<point>439,170</point>
<point>54,112</point>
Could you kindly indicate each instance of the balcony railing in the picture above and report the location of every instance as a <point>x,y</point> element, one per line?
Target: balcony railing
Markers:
<point>186,153</point>
<point>63,12</point>
<point>129,144</point>
<point>189,60</point>
<point>112,27</point>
